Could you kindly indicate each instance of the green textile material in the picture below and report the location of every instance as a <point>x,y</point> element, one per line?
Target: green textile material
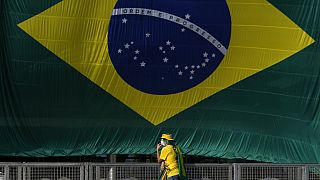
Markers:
<point>162,175</point>
<point>47,108</point>
<point>182,168</point>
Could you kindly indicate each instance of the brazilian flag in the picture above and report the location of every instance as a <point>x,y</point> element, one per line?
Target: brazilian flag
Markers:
<point>228,78</point>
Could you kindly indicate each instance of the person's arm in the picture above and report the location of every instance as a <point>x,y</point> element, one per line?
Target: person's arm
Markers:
<point>162,166</point>
<point>158,153</point>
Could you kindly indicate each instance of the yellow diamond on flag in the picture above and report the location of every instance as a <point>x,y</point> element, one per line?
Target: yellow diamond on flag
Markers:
<point>77,32</point>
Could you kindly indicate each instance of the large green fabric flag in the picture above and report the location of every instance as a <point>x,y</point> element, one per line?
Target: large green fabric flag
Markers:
<point>228,78</point>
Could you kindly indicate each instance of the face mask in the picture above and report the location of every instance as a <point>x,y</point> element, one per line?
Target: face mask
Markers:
<point>162,142</point>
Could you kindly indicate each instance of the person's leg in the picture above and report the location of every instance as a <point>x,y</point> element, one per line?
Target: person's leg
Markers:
<point>173,178</point>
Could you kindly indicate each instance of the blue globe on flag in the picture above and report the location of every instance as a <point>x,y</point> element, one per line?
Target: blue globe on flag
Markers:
<point>168,46</point>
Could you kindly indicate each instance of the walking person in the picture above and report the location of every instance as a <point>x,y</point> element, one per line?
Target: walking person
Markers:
<point>170,158</point>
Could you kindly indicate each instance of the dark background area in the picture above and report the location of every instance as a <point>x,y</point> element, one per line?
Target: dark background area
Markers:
<point>123,158</point>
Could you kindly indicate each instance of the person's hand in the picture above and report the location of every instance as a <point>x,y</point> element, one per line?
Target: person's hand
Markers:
<point>158,147</point>
<point>162,166</point>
